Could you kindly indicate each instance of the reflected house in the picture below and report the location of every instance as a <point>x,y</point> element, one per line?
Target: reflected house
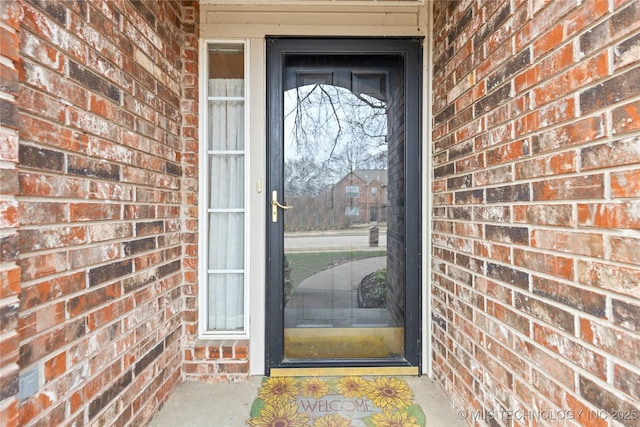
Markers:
<point>365,193</point>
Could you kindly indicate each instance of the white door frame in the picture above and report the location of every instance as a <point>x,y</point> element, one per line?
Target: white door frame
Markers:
<point>252,23</point>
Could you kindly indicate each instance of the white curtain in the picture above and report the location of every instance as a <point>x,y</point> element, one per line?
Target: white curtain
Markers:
<point>226,199</point>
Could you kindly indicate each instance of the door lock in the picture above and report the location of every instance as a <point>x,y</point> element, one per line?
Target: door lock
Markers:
<point>275,205</point>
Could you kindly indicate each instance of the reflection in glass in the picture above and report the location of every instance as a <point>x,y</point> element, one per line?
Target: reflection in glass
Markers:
<point>336,173</point>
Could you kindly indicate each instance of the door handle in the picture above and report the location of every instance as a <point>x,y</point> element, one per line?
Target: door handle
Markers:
<point>275,205</point>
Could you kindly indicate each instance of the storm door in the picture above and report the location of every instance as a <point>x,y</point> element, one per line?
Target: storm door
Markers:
<point>343,280</point>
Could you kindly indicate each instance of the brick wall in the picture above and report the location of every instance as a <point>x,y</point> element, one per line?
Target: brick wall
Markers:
<point>395,294</point>
<point>9,218</point>
<point>107,103</point>
<point>536,153</point>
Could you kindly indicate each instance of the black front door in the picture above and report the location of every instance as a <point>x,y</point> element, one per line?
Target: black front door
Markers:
<point>343,284</point>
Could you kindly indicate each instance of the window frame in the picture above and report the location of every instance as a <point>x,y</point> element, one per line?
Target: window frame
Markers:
<point>203,196</point>
<point>352,191</point>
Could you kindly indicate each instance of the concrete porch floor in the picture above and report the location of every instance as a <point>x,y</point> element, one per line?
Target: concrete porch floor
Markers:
<point>196,404</point>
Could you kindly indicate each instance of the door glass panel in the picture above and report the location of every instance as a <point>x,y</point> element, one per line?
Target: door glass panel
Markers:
<point>344,236</point>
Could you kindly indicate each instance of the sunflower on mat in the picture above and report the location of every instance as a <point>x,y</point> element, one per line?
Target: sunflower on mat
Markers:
<point>313,402</point>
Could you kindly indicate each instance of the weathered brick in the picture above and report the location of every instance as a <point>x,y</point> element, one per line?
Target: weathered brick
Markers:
<point>459,212</point>
<point>37,266</point>
<point>627,380</point>
<point>570,188</point>
<point>545,263</point>
<point>9,324</point>
<point>625,53</point>
<point>607,276</point>
<point>517,235</point>
<point>94,211</point>
<point>93,81</point>
<point>92,168</point>
<point>9,412</point>
<point>8,76</point>
<point>469,197</point>
<point>445,115</point>
<point>52,10</point>
<point>9,249</point>
<point>509,193</point>
<point>518,63</point>
<point>117,387</point>
<point>492,25</point>
<point>55,366</point>
<point>571,350</point>
<point>9,114</point>
<point>535,150</point>
<point>549,41</point>
<point>44,185</point>
<point>508,317</point>
<point>576,243</point>
<point>507,153</point>
<point>48,133</point>
<point>141,245</point>
<point>589,129</point>
<point>60,287</point>
<point>626,118</point>
<point>494,176</point>
<point>604,399</point>
<point>9,383</point>
<point>445,170</point>
<point>624,249</point>
<point>572,79</point>
<point>585,16</point>
<point>148,359</point>
<point>626,314</point>
<point>557,214</point>
<point>572,296</point>
<point>9,181</point>
<point>168,268</point>
<point>54,340</point>
<point>110,231</point>
<point>615,153</point>
<point>108,313</point>
<point>509,275</point>
<point>545,312</point>
<point>492,100</point>
<point>609,215</point>
<point>40,239</point>
<point>84,257</point>
<point>490,213</point>
<point>148,228</point>
<point>109,272</point>
<point>459,182</point>
<point>8,146</point>
<point>9,46</point>
<point>555,164</point>
<point>611,91</point>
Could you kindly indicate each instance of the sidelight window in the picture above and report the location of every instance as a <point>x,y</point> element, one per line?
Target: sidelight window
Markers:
<point>223,193</point>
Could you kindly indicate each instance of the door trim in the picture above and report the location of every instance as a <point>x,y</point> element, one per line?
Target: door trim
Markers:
<point>337,372</point>
<point>411,51</point>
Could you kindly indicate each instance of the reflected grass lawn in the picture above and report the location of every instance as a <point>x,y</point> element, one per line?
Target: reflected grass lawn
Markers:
<point>306,264</point>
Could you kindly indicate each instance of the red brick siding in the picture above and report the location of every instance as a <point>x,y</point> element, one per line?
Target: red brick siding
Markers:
<point>9,217</point>
<point>210,360</point>
<point>535,272</point>
<point>216,361</point>
<point>106,107</point>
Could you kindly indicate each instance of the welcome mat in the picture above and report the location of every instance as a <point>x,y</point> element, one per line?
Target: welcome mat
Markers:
<point>351,401</point>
